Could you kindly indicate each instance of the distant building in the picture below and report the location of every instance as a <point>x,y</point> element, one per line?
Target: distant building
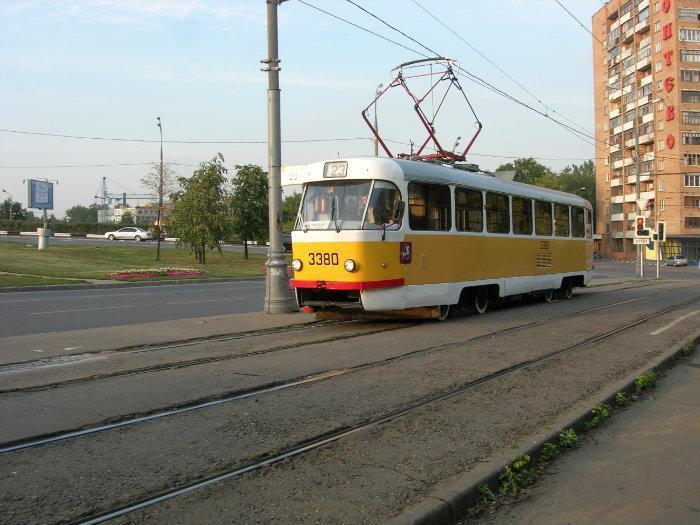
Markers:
<point>647,100</point>
<point>142,214</point>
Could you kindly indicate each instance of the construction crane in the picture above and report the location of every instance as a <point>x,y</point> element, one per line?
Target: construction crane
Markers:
<point>106,197</point>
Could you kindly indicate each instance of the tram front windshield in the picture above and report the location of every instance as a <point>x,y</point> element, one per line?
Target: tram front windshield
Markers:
<point>348,205</point>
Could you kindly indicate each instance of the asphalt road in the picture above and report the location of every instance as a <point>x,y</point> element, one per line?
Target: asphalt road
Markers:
<point>76,241</point>
<point>36,312</point>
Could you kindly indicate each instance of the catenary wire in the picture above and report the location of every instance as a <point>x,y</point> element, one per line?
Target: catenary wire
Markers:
<point>580,23</point>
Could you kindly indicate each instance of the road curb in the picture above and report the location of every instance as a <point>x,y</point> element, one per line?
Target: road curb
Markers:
<point>452,499</point>
<point>137,284</point>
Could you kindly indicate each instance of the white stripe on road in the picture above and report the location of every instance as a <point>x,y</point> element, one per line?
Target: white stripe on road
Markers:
<point>673,323</point>
<point>212,300</point>
<point>81,310</point>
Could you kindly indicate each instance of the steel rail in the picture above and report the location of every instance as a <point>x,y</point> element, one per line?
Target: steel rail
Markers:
<point>38,441</point>
<point>336,435</point>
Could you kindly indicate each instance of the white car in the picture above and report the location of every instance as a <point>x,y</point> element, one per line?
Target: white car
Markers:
<point>130,233</point>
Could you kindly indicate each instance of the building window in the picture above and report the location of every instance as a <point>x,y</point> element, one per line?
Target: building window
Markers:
<point>692,222</point>
<point>606,160</point>
<point>605,127</point>
<point>578,222</point>
<point>661,164</point>
<point>690,75</point>
<point>691,202</point>
<point>662,184</point>
<point>657,47</point>
<point>662,205</point>
<point>691,117</point>
<point>522,216</point>
<point>692,97</point>
<point>429,207</point>
<point>691,138</point>
<point>607,177</point>
<point>662,145</point>
<point>497,213</point>
<point>689,35</point>
<point>692,15</point>
<point>660,125</point>
<point>658,66</point>
<point>469,208</point>
<point>690,55</point>
<point>692,181</point>
<point>660,106</point>
<point>561,220</point>
<point>691,159</point>
<point>657,26</point>
<point>659,85</point>
<point>657,7</point>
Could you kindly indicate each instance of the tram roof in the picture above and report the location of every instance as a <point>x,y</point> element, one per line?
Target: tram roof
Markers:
<point>410,170</point>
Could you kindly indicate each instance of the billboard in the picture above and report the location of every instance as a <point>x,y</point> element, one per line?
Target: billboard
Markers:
<point>40,195</point>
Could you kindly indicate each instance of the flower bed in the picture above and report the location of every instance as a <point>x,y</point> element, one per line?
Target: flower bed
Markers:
<point>135,273</point>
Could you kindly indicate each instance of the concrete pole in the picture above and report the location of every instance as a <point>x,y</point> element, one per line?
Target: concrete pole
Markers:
<point>376,124</point>
<point>278,299</point>
<point>160,191</point>
<point>638,160</point>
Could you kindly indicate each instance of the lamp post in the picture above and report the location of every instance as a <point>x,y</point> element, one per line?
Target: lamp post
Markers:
<point>376,125</point>
<point>160,190</point>
<point>12,200</point>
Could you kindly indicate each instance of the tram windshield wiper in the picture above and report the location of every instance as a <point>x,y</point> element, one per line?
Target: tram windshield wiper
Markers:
<point>334,213</point>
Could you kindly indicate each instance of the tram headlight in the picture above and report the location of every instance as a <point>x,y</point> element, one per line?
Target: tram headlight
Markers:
<point>349,265</point>
<point>296,264</point>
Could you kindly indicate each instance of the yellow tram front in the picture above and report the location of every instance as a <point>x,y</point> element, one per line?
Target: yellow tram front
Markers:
<point>347,239</point>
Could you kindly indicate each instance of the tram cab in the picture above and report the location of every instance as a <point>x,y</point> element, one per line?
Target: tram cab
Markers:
<point>400,236</point>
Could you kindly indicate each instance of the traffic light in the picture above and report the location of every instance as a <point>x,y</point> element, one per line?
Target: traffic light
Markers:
<point>661,230</point>
<point>641,231</point>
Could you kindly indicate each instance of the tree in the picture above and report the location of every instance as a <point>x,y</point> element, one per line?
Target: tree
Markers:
<point>530,171</point>
<point>249,204</point>
<point>14,211</point>
<point>127,218</point>
<point>579,180</point>
<point>200,213</point>
<point>79,213</point>
<point>161,186</point>
<point>290,207</point>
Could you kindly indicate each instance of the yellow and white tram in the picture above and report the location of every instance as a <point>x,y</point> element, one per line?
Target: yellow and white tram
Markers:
<point>388,235</point>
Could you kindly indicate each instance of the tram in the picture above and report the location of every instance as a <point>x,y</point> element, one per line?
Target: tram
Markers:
<point>420,239</point>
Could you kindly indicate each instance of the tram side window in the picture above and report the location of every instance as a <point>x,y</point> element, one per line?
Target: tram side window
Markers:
<point>522,216</point>
<point>469,208</point>
<point>578,222</point>
<point>561,220</point>
<point>589,224</point>
<point>543,218</point>
<point>497,213</point>
<point>429,207</point>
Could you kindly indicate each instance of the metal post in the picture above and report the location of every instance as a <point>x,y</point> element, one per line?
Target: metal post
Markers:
<point>277,295</point>
<point>376,125</point>
<point>638,163</point>
<point>160,192</point>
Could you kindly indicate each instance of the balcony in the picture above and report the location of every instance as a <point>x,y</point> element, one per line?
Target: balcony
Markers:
<point>649,117</point>
<point>617,234</point>
<point>632,179</point>
<point>647,195</point>
<point>647,157</point>
<point>642,27</point>
<point>630,143</point>
<point>617,199</point>
<point>625,18</point>
<point>646,80</point>
<point>646,139</point>
<point>643,4</point>
<point>614,148</point>
<point>614,113</point>
<point>615,95</point>
<point>627,36</point>
<point>617,165</point>
<point>626,53</point>
<point>616,130</point>
<point>615,217</point>
<point>628,125</point>
<point>629,234</point>
<point>630,197</point>
<point>615,182</point>
<point>627,161</point>
<point>644,64</point>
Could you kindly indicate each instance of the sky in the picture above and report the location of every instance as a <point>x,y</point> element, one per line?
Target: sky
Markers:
<point>107,68</point>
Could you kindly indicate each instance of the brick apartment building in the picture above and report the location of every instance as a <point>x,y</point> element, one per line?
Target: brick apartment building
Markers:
<point>647,114</point>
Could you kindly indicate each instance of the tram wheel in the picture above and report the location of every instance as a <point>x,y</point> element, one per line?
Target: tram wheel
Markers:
<point>548,296</point>
<point>480,301</point>
<point>443,312</point>
<point>567,290</point>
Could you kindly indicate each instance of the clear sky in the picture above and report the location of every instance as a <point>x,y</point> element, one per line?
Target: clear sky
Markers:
<point>107,68</point>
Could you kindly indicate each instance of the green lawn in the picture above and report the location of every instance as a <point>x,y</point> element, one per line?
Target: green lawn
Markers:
<point>95,262</point>
<point>30,280</point>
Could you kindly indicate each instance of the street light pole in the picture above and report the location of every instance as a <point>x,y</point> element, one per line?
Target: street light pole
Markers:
<point>160,190</point>
<point>278,299</point>
<point>376,125</point>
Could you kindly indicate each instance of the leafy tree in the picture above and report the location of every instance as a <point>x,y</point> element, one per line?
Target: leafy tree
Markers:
<point>579,180</point>
<point>127,218</point>
<point>290,207</point>
<point>79,213</point>
<point>151,180</point>
<point>13,210</point>
<point>529,171</point>
<point>249,204</point>
<point>200,212</point>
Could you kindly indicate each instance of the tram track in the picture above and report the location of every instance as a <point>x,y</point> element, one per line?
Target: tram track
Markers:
<point>337,434</point>
<point>135,419</point>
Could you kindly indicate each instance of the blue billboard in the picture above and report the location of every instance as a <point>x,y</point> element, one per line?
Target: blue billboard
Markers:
<point>40,195</point>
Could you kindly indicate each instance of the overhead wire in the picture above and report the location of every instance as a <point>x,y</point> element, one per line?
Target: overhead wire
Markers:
<point>580,23</point>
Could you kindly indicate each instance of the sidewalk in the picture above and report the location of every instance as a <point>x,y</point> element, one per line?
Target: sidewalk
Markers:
<point>643,467</point>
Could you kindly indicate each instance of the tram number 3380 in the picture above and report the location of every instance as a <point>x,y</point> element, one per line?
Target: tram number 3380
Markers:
<point>323,259</point>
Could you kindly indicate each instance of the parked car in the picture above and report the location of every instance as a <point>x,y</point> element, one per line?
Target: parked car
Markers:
<point>130,233</point>
<point>676,260</point>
